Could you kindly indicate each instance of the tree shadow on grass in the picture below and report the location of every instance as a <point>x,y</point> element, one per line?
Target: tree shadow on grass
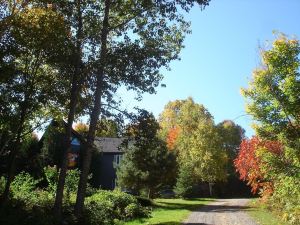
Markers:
<point>175,206</point>
<point>179,223</point>
<point>223,208</point>
<point>204,208</point>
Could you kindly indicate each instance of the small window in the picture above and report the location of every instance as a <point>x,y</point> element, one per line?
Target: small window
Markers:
<point>117,159</point>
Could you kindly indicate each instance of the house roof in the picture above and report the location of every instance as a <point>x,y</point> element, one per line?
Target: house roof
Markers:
<point>108,145</point>
<point>102,144</point>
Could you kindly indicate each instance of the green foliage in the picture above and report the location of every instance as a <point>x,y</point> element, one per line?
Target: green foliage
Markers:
<point>259,211</point>
<point>71,183</point>
<point>32,205</point>
<point>144,201</point>
<point>107,128</point>
<point>203,149</point>
<point>273,101</point>
<point>185,114</point>
<point>273,93</point>
<point>108,207</point>
<point>231,136</point>
<point>286,197</point>
<point>38,36</point>
<point>146,163</point>
<point>51,175</point>
<point>53,144</point>
<point>185,183</point>
<point>200,148</point>
<point>15,212</point>
<point>48,50</point>
<point>23,187</point>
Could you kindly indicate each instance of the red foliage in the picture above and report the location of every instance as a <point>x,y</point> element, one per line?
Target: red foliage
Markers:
<point>172,137</point>
<point>248,163</point>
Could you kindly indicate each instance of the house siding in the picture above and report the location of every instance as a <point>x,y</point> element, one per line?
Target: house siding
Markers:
<point>105,157</point>
<point>104,176</point>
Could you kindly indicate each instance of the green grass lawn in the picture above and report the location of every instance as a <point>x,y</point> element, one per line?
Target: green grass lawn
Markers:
<point>261,215</point>
<point>171,211</point>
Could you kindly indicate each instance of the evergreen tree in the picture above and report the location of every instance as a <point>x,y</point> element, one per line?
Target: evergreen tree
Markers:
<point>147,162</point>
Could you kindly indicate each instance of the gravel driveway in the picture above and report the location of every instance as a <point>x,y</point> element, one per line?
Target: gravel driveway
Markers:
<point>222,212</point>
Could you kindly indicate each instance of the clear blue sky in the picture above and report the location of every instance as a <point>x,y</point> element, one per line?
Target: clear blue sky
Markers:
<point>220,55</point>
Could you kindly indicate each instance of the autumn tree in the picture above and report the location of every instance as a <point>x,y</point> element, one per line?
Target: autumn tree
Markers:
<point>181,116</point>
<point>200,153</point>
<point>81,128</point>
<point>31,85</point>
<point>172,136</point>
<point>273,102</point>
<point>231,135</point>
<point>202,149</point>
<point>249,164</point>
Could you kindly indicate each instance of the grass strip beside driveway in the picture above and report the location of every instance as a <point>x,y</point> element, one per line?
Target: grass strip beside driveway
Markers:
<point>171,211</point>
<point>262,215</point>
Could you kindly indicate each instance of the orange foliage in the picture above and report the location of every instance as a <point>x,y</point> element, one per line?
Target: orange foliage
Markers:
<point>172,137</point>
<point>248,163</point>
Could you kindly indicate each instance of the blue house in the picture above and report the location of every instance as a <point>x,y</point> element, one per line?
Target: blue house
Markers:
<point>107,154</point>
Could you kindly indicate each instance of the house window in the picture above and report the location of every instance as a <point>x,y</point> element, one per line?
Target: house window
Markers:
<point>117,159</point>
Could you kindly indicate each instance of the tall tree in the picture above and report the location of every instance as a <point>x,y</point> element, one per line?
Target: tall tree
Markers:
<point>146,163</point>
<point>137,39</point>
<point>182,115</point>
<point>198,144</point>
<point>274,102</point>
<point>38,34</point>
<point>231,136</point>
<point>273,93</point>
<point>82,17</point>
<point>273,98</point>
<point>202,148</point>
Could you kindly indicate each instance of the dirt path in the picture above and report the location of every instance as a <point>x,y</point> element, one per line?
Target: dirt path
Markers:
<point>222,212</point>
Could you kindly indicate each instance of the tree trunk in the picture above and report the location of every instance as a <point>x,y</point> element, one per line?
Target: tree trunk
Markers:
<point>149,193</point>
<point>94,116</point>
<point>64,166</point>
<point>76,84</point>
<point>210,186</point>
<point>13,155</point>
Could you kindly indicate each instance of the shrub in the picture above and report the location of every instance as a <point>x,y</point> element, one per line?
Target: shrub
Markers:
<point>71,182</point>
<point>97,213</point>
<point>28,205</point>
<point>23,188</point>
<point>108,207</point>
<point>285,199</point>
<point>18,212</point>
<point>51,174</point>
